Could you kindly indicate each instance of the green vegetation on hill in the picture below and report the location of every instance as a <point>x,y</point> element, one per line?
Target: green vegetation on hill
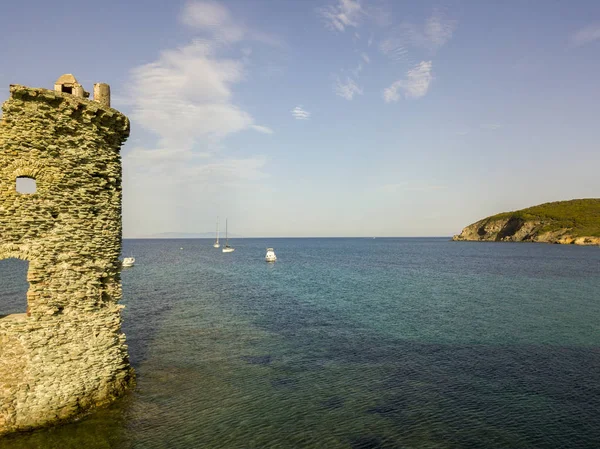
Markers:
<point>581,216</point>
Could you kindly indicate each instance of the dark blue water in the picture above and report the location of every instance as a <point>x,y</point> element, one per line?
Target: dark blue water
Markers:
<point>350,343</point>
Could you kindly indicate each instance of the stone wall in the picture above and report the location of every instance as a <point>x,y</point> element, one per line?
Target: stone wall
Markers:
<point>66,353</point>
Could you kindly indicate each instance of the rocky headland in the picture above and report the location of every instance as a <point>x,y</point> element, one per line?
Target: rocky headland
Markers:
<point>565,222</point>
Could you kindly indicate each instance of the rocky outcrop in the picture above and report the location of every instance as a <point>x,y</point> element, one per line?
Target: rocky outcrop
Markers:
<point>513,228</point>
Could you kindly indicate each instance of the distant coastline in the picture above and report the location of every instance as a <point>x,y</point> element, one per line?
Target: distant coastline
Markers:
<point>181,235</point>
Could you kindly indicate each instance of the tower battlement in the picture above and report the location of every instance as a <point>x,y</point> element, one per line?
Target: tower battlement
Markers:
<point>68,84</point>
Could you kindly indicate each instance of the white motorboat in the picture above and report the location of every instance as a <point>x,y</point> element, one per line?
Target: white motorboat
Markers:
<point>128,261</point>
<point>227,248</point>
<point>270,257</point>
<point>217,244</point>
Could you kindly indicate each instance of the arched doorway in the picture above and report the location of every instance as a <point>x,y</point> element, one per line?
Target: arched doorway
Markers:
<point>13,286</point>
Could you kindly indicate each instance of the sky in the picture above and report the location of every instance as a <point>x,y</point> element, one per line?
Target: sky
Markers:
<point>300,118</point>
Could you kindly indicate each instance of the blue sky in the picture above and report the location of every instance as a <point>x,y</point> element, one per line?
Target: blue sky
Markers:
<point>330,118</point>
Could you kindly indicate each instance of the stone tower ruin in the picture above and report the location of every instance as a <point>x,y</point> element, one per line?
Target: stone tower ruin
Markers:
<point>66,353</point>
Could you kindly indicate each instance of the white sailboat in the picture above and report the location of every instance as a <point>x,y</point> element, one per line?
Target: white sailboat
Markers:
<point>227,248</point>
<point>270,256</point>
<point>217,244</point>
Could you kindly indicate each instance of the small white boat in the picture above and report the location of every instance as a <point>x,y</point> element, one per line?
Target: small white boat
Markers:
<point>270,257</point>
<point>227,248</point>
<point>217,244</point>
<point>128,261</point>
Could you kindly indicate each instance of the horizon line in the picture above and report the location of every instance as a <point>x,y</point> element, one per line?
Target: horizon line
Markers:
<point>295,237</point>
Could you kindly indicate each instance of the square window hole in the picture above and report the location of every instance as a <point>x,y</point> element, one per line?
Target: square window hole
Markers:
<point>26,185</point>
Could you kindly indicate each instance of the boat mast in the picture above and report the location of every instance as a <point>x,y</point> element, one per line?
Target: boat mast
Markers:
<point>226,235</point>
<point>217,230</point>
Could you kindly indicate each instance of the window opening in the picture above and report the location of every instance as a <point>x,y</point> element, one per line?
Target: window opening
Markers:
<point>26,185</point>
<point>14,286</point>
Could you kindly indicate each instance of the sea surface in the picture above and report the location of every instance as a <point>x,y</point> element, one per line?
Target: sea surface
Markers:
<point>349,343</point>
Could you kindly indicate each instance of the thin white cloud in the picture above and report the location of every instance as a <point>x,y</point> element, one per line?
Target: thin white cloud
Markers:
<point>187,92</point>
<point>414,85</point>
<point>586,35</point>
<point>437,31</point>
<point>182,166</point>
<point>262,129</point>
<point>347,89</point>
<point>395,49</point>
<point>365,57</point>
<point>300,114</point>
<point>206,15</point>
<point>491,126</point>
<point>344,14</point>
<point>215,19</point>
<point>432,35</point>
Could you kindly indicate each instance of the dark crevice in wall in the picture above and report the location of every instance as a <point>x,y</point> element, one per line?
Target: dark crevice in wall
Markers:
<point>77,112</point>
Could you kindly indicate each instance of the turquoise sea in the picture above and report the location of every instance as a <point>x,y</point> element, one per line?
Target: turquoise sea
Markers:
<point>349,343</point>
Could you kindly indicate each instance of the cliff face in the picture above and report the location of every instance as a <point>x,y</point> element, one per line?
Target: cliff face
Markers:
<point>567,222</point>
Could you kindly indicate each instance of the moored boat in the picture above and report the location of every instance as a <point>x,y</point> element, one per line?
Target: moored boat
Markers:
<point>227,248</point>
<point>128,261</point>
<point>217,244</point>
<point>270,257</point>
